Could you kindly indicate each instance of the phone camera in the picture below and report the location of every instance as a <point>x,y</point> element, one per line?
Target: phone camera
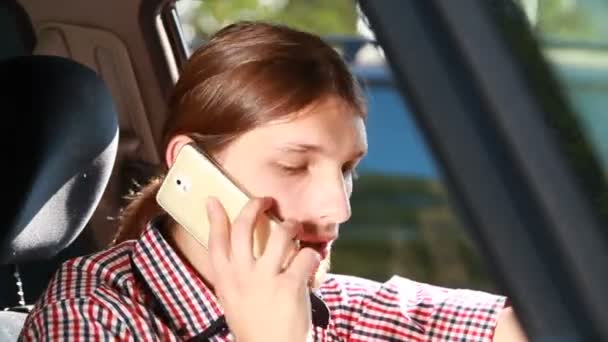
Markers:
<point>182,184</point>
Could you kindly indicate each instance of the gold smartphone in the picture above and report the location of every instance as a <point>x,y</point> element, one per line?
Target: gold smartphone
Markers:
<point>193,178</point>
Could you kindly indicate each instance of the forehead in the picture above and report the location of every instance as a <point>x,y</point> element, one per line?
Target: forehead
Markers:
<point>329,124</point>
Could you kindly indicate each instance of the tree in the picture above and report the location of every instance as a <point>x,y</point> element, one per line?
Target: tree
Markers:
<point>336,17</point>
<point>563,20</point>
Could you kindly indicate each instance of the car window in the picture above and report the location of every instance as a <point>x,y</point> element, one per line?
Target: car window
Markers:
<point>402,222</point>
<point>573,36</point>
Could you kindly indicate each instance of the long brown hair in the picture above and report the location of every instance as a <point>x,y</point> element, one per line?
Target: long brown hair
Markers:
<point>247,74</point>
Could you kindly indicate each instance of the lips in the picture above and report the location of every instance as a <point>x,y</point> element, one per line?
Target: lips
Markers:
<point>321,247</point>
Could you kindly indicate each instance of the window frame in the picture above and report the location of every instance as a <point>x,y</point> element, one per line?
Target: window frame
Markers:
<point>172,24</point>
<point>519,198</point>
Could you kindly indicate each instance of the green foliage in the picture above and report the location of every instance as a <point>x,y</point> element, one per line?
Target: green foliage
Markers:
<point>559,18</point>
<point>317,16</point>
<point>391,199</point>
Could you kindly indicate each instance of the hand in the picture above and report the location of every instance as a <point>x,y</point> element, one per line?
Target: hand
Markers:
<point>508,328</point>
<point>262,299</point>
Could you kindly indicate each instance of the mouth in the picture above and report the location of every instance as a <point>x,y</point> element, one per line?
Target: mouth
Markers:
<point>320,247</point>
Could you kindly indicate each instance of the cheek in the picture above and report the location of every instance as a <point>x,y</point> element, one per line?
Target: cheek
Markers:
<point>260,182</point>
<point>253,178</point>
<point>290,193</point>
<point>289,198</point>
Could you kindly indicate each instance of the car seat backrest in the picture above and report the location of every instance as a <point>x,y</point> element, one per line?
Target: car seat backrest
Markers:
<point>58,147</point>
<point>107,54</point>
<point>59,143</point>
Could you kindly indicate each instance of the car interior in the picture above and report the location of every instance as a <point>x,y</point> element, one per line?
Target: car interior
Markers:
<point>69,92</point>
<point>84,86</point>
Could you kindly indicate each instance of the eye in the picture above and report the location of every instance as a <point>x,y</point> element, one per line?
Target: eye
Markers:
<point>293,169</point>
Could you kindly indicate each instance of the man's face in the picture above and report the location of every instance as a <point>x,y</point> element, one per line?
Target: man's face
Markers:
<point>306,164</point>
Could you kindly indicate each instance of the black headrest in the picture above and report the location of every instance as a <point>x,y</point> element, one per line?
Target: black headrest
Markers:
<point>17,35</point>
<point>58,144</point>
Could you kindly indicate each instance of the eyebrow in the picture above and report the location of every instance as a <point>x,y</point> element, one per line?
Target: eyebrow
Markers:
<point>300,147</point>
<point>303,147</point>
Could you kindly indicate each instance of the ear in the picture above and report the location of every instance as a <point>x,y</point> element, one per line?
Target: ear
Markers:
<point>174,146</point>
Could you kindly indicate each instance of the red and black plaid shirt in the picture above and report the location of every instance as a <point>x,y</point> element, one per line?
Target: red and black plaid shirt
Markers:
<point>141,290</point>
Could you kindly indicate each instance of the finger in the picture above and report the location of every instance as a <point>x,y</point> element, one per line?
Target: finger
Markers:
<point>242,229</point>
<point>303,265</point>
<point>219,234</point>
<point>279,246</point>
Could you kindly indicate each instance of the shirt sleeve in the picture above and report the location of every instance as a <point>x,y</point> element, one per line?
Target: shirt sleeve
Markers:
<point>403,309</point>
<point>75,319</point>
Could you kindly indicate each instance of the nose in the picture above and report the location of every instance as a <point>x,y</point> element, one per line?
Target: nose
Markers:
<point>333,206</point>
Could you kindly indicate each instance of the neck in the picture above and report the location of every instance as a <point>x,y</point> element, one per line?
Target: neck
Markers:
<point>190,251</point>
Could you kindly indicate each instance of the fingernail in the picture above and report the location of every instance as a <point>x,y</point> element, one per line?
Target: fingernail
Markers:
<point>317,264</point>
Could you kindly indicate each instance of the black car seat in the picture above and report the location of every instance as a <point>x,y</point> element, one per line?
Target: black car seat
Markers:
<point>59,143</point>
<point>112,55</point>
<point>106,54</point>
<point>18,38</point>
